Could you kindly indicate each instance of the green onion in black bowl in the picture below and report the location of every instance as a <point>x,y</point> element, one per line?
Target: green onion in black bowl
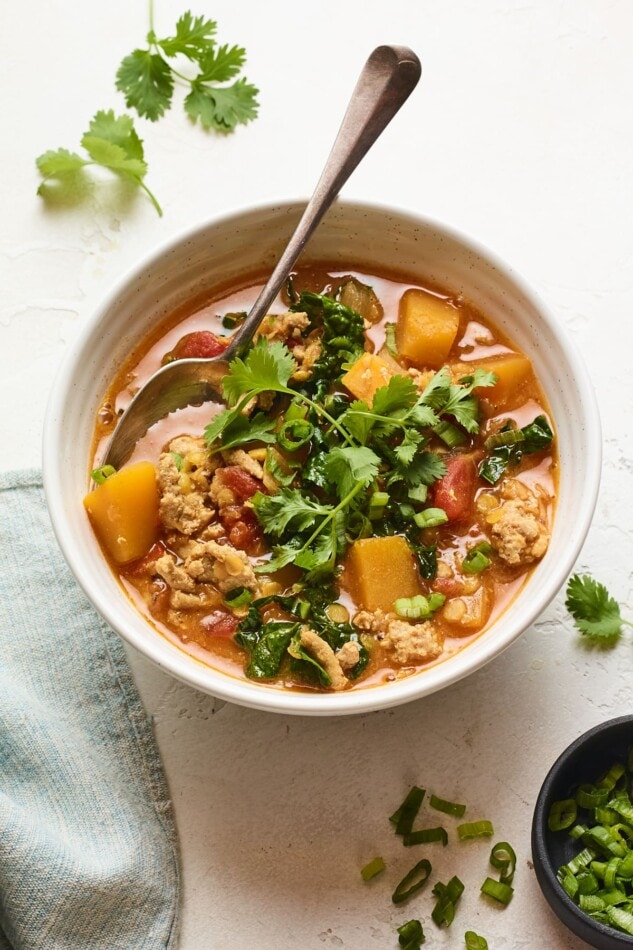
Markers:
<point>581,840</point>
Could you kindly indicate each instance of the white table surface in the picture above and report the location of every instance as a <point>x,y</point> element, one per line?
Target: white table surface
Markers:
<point>521,134</point>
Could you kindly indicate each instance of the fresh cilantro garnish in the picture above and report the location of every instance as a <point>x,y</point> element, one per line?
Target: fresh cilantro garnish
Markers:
<point>456,399</point>
<point>596,614</point>
<point>110,142</point>
<point>147,76</point>
<point>241,430</point>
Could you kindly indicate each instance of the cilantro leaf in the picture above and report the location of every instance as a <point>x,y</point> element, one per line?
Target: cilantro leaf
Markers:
<point>112,142</point>
<point>240,430</point>
<point>346,466</point>
<point>147,83</point>
<point>267,367</point>
<point>399,393</point>
<point>221,107</point>
<point>289,509</point>
<point>193,37</point>
<point>596,614</point>
<point>219,64</point>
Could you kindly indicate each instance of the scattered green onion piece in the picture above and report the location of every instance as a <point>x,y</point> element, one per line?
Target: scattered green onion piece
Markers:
<point>588,796</point>
<point>410,935</point>
<point>598,868</point>
<point>418,607</point>
<point>419,493</point>
<point>232,320</point>
<point>588,883</point>
<point>426,836</point>
<point>430,517</point>
<point>99,475</point>
<point>626,867</point>
<point>449,808</point>
<point>498,891</point>
<point>477,559</point>
<point>590,903</point>
<point>238,597</point>
<point>562,814</point>
<point>447,897</point>
<point>390,339</point>
<point>604,841</point>
<point>449,434</point>
<point>612,897</point>
<point>407,511</point>
<point>412,882</point>
<point>576,832</point>
<point>377,504</point>
<point>294,434</point>
<point>504,859</point>
<point>475,829</point>
<point>582,860</point>
<point>474,941</point>
<point>610,873</point>
<point>606,816</point>
<point>612,777</point>
<point>621,918</point>
<point>374,867</point>
<point>505,437</point>
<point>404,817</point>
<point>622,807</point>
<point>567,881</point>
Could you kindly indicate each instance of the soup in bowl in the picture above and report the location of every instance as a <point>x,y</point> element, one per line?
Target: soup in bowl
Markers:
<point>384,501</point>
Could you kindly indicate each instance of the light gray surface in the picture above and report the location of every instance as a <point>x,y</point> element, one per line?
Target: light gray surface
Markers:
<point>520,134</point>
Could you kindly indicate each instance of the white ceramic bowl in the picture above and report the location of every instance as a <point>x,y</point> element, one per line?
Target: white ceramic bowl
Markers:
<point>241,242</point>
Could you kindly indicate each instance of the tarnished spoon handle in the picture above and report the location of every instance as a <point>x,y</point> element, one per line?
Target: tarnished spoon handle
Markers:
<point>387,80</point>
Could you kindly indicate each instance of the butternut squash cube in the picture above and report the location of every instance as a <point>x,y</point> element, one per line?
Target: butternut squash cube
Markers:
<point>513,370</point>
<point>380,570</point>
<point>124,512</point>
<point>426,328</point>
<point>368,374</point>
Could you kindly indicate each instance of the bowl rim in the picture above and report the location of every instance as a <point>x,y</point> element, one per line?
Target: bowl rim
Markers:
<point>563,906</point>
<point>226,686</point>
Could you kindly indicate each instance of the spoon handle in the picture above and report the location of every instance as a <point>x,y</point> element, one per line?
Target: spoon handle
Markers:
<point>387,80</point>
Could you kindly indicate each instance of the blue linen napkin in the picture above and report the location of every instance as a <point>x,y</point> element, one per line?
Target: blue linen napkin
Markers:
<point>88,847</point>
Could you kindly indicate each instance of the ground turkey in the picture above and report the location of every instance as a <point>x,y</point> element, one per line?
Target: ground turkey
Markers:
<point>408,643</point>
<point>289,328</point>
<point>184,475</point>
<point>325,655</point>
<point>519,532</point>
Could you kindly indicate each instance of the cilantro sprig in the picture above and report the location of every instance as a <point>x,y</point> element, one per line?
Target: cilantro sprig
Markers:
<point>147,76</point>
<point>111,142</point>
<point>596,613</point>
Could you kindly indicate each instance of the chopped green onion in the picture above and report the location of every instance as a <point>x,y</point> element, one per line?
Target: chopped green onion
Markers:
<point>612,777</point>
<point>410,935</point>
<point>374,867</point>
<point>447,897</point>
<point>430,517</point>
<point>425,836</point>
<point>610,872</point>
<point>449,434</point>
<point>294,434</point>
<point>475,829</point>
<point>588,796</point>
<point>622,807</point>
<point>562,814</point>
<point>504,859</point>
<point>412,882</point>
<point>621,918</point>
<point>582,860</point>
<point>449,808</point>
<point>232,320</point>
<point>497,890</point>
<point>477,559</point>
<point>604,841</point>
<point>589,902</point>
<point>568,881</point>
<point>505,437</point>
<point>377,504</point>
<point>404,816</point>
<point>587,882</point>
<point>474,941</point>
<point>576,832</point>
<point>390,339</point>
<point>238,597</point>
<point>419,493</point>
<point>418,607</point>
<point>99,475</point>
<point>605,816</point>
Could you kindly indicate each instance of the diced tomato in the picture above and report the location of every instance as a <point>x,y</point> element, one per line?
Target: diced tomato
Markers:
<point>449,586</point>
<point>141,566</point>
<point>220,623</point>
<point>455,490</point>
<point>246,534</point>
<point>200,344</point>
<point>240,482</point>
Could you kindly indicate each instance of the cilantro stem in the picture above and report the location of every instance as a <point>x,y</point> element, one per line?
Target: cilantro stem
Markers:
<point>321,412</point>
<point>330,517</point>
<point>151,196</point>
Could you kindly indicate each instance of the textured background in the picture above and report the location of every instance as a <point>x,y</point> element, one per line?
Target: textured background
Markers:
<point>521,133</point>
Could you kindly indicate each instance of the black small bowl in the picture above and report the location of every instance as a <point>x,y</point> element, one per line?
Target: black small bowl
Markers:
<point>583,761</point>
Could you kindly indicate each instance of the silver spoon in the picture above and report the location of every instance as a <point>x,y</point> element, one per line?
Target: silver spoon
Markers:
<point>385,83</point>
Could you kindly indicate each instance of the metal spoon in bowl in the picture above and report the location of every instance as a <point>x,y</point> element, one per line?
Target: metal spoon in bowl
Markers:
<point>385,83</point>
